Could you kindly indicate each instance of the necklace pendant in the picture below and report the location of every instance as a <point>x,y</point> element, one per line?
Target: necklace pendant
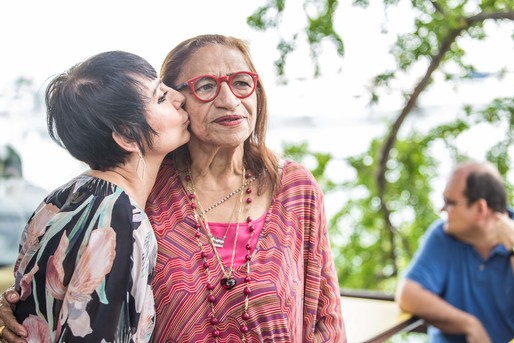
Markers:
<point>218,242</point>
<point>228,282</point>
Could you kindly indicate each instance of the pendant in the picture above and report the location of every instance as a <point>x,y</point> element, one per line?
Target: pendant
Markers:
<point>218,242</point>
<point>228,282</point>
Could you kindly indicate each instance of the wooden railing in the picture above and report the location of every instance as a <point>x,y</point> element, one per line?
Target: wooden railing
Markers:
<point>374,317</point>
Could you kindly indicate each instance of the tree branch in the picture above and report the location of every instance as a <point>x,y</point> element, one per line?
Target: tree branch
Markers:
<point>391,138</point>
<point>483,16</point>
<point>437,7</point>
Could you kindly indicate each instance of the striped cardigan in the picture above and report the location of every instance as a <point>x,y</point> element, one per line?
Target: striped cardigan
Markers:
<point>295,291</point>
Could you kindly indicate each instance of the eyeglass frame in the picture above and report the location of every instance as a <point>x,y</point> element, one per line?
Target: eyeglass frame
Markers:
<point>450,203</point>
<point>191,82</point>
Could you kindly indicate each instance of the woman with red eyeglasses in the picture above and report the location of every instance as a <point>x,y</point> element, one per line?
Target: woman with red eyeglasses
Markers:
<point>243,249</point>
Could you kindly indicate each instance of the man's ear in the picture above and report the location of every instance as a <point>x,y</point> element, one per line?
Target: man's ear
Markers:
<point>125,143</point>
<point>482,210</point>
<point>482,204</point>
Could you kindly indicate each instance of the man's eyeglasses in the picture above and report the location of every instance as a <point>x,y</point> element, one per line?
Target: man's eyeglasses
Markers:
<point>207,87</point>
<point>448,203</point>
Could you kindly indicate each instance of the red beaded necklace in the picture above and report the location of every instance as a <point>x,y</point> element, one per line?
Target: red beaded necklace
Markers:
<point>228,282</point>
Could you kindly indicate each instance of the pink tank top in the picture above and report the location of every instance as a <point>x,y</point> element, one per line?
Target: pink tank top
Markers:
<point>218,230</point>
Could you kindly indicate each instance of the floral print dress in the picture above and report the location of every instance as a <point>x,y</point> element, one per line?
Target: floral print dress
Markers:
<point>85,267</point>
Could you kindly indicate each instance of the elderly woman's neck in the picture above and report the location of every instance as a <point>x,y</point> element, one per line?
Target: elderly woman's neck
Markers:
<point>217,162</point>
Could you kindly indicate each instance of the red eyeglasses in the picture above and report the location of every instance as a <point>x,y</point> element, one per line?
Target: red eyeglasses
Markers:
<point>207,87</point>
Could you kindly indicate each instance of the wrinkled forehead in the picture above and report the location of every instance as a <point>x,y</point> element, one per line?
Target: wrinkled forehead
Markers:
<point>215,59</point>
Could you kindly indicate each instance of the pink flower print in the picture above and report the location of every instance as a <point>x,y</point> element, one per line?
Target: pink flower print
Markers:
<point>35,229</point>
<point>26,283</point>
<point>94,264</point>
<point>37,328</point>
<point>147,319</point>
<point>79,320</point>
<point>55,270</point>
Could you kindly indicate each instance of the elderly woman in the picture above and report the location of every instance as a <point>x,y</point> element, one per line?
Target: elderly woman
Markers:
<point>87,254</point>
<point>243,253</point>
<point>243,249</point>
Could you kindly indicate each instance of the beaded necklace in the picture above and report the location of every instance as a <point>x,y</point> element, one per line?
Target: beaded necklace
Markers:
<point>227,197</point>
<point>228,282</point>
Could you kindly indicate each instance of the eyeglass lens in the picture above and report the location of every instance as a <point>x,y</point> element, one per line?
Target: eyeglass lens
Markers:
<point>452,203</point>
<point>241,84</point>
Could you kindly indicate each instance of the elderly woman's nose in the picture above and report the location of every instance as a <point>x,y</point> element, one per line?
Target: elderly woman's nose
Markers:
<point>226,97</point>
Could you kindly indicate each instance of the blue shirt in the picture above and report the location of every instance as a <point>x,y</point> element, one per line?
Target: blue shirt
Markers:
<point>456,272</point>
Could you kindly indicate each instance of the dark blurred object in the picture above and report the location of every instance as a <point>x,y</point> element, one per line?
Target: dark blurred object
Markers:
<point>18,200</point>
<point>12,222</point>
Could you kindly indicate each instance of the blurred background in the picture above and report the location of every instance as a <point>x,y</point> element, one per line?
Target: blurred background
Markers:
<point>342,78</point>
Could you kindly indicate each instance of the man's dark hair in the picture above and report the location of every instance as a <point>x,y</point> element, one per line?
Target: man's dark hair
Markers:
<point>481,184</point>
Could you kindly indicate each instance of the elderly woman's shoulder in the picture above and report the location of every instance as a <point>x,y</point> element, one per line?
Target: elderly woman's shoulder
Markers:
<point>293,166</point>
<point>296,170</point>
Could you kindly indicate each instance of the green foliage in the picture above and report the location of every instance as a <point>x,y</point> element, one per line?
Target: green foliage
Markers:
<point>366,255</point>
<point>320,26</point>
<point>267,16</point>
<point>285,48</point>
<point>377,230</point>
<point>364,260</point>
<point>300,152</point>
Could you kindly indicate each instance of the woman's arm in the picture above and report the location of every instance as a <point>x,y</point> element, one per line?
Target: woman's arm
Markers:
<point>322,283</point>
<point>329,324</point>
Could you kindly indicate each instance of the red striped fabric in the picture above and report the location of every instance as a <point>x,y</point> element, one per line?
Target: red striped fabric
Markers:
<point>295,292</point>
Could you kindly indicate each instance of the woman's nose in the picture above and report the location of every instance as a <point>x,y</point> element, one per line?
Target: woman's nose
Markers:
<point>226,98</point>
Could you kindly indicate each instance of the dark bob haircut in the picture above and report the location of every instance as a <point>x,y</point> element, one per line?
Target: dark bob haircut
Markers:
<point>93,99</point>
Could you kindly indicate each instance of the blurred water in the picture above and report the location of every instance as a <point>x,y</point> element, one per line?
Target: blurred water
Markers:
<point>328,119</point>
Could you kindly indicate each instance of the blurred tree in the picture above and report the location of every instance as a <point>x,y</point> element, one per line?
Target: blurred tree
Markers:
<point>377,231</point>
<point>320,26</point>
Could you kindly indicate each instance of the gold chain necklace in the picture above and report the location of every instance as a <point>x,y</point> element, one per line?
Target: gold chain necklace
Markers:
<point>228,282</point>
<point>203,212</point>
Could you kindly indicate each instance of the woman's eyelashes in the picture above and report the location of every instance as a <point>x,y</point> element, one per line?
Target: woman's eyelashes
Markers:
<point>162,98</point>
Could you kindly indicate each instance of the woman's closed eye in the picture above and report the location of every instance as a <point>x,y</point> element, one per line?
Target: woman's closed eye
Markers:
<point>162,98</point>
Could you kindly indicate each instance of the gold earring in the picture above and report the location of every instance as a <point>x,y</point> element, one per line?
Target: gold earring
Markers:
<point>141,166</point>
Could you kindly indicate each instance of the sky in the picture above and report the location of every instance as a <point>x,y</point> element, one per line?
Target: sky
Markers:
<point>41,38</point>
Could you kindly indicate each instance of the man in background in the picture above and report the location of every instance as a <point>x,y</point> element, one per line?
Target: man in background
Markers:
<point>461,280</point>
